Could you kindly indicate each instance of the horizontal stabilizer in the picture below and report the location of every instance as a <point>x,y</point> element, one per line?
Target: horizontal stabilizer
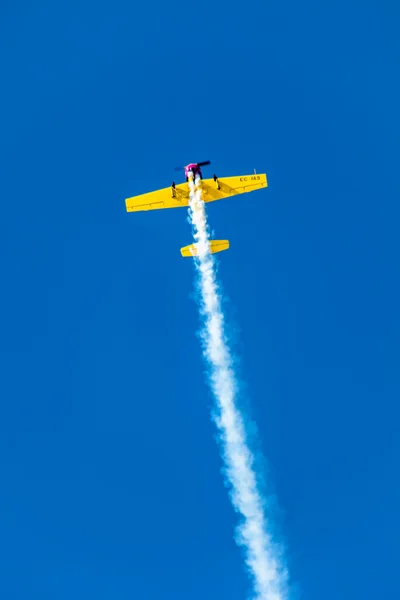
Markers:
<point>215,246</point>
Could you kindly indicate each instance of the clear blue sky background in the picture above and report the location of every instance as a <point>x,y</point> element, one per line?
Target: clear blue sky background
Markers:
<point>110,483</point>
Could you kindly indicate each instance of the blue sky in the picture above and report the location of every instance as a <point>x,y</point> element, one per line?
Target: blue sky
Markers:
<point>110,474</point>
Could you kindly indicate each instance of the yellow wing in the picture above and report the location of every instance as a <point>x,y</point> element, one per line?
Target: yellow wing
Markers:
<point>230,186</point>
<point>212,190</point>
<point>165,198</point>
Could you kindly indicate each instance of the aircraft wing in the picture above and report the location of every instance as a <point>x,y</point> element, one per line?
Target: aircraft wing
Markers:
<point>231,186</point>
<point>165,198</point>
<point>224,187</point>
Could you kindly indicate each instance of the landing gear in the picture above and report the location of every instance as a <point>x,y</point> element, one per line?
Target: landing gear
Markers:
<point>217,182</point>
<point>173,189</point>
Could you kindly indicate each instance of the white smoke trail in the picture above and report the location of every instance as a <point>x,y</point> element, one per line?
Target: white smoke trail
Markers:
<point>262,555</point>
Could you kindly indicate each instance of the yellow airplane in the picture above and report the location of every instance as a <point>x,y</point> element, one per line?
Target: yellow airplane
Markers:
<point>213,189</point>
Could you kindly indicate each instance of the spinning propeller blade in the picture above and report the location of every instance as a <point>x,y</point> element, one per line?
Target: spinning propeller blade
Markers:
<point>200,164</point>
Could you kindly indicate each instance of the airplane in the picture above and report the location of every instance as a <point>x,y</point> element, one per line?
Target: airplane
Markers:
<point>177,196</point>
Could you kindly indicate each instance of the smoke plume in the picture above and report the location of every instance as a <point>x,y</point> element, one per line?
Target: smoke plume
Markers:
<point>262,556</point>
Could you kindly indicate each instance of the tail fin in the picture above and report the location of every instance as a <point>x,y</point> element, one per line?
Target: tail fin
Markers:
<point>215,246</point>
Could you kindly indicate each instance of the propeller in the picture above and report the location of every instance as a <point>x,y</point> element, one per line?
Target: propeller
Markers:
<point>200,164</point>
